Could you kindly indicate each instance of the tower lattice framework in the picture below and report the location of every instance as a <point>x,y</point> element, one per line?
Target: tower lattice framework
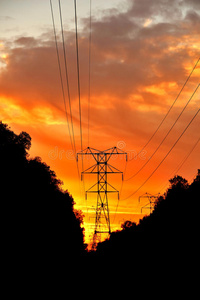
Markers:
<point>102,187</point>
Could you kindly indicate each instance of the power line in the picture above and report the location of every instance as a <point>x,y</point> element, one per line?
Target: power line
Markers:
<point>182,162</point>
<point>78,74</point>
<point>62,85</point>
<point>89,70</point>
<point>188,155</point>
<point>168,111</point>
<point>63,93</point>
<point>164,156</point>
<point>60,74</point>
<point>79,90</point>
<point>66,73</point>
<point>165,135</point>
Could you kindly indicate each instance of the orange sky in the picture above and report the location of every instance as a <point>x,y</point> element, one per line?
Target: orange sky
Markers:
<point>142,52</point>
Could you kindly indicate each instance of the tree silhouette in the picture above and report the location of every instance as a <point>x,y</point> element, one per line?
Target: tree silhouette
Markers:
<point>178,181</point>
<point>128,224</point>
<point>40,223</point>
<point>168,236</point>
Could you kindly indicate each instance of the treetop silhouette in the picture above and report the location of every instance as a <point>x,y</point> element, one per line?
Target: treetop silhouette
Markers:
<point>40,222</point>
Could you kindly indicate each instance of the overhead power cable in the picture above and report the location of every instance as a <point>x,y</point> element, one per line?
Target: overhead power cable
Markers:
<point>182,162</point>
<point>164,157</point>
<point>79,91</point>
<point>60,74</point>
<point>89,70</point>
<point>62,86</point>
<point>187,156</point>
<point>66,74</point>
<point>135,156</point>
<point>78,73</point>
<point>165,135</point>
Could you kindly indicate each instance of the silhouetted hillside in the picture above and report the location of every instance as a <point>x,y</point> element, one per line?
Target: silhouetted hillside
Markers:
<point>39,220</point>
<point>168,236</point>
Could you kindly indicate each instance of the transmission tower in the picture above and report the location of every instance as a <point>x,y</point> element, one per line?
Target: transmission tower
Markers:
<point>151,203</point>
<point>102,188</point>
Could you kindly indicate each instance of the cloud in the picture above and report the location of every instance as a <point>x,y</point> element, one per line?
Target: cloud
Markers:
<point>147,22</point>
<point>27,42</point>
<point>14,112</point>
<point>136,70</point>
<point>6,18</point>
<point>194,4</point>
<point>125,55</point>
<point>142,9</point>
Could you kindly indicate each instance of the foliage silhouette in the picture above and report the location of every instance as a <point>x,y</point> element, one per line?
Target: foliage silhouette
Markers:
<point>40,222</point>
<point>168,236</point>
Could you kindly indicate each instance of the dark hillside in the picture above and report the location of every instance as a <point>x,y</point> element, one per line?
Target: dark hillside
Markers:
<point>40,224</point>
<point>168,235</point>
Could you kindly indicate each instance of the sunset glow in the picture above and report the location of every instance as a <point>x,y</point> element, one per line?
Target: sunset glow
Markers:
<point>142,53</point>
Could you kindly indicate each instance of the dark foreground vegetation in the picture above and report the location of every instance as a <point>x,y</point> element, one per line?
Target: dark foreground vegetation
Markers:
<point>168,236</point>
<point>41,226</point>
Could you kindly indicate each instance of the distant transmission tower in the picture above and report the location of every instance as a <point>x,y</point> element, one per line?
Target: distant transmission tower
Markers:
<point>102,188</point>
<point>151,203</point>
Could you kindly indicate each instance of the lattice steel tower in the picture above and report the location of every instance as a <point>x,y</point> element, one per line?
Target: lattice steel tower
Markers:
<point>152,200</point>
<point>102,188</point>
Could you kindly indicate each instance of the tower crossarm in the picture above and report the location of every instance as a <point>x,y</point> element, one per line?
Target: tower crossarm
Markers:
<point>102,187</point>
